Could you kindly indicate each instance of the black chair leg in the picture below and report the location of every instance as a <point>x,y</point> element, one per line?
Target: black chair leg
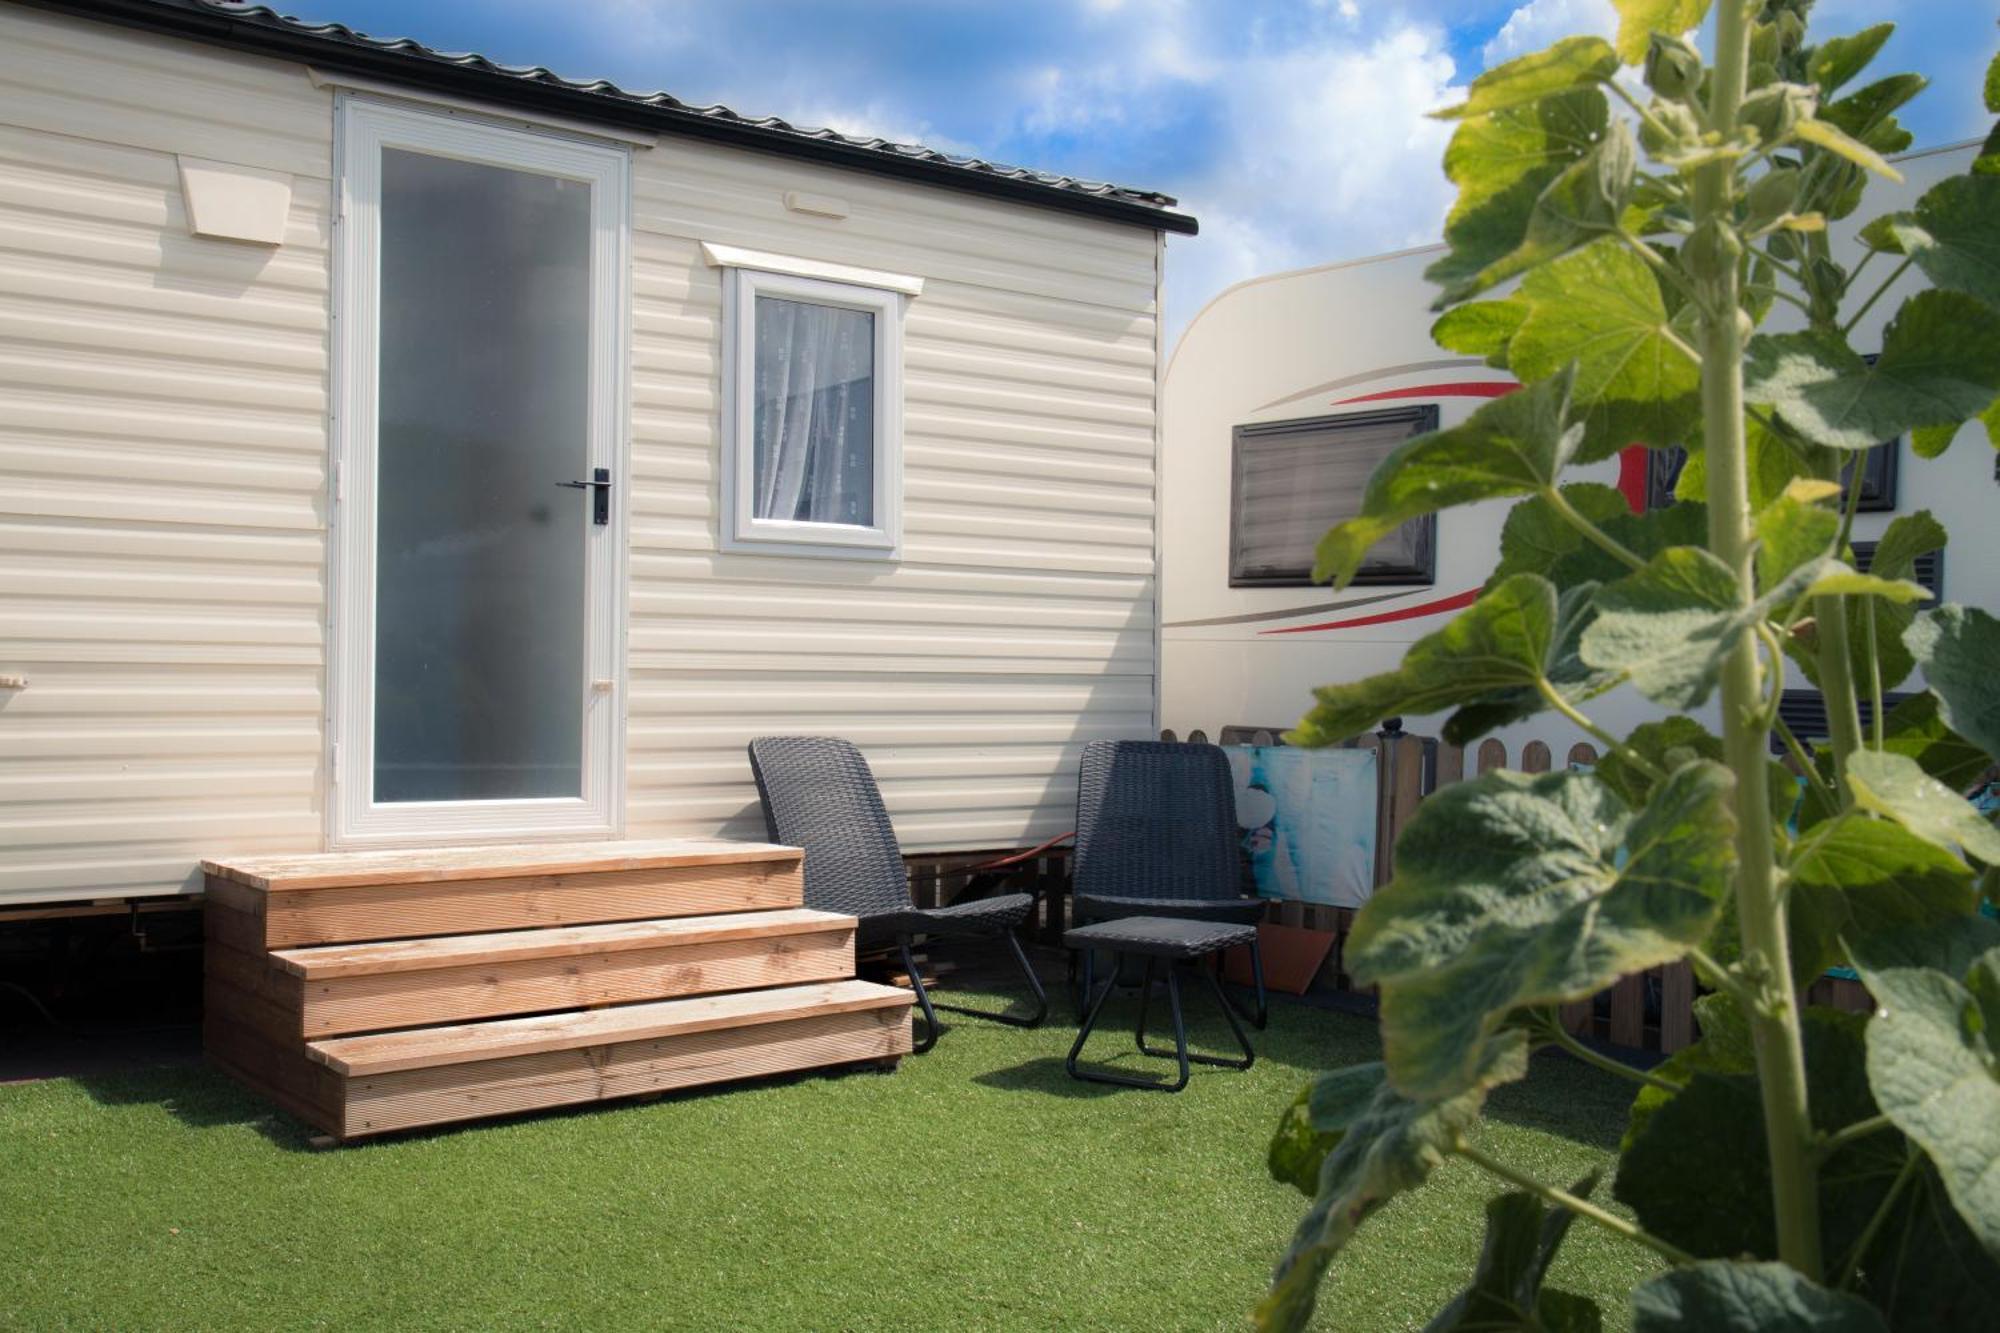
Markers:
<point>931,1029</point>
<point>1041,1009</point>
<point>1090,1023</point>
<point>1180,1032</point>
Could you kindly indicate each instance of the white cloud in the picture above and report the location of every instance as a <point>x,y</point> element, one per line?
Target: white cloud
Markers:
<point>1540,23</point>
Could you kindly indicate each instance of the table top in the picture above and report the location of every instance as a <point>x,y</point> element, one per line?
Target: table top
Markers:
<point>1160,936</point>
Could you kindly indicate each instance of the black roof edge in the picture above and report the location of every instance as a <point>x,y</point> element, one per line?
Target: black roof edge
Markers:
<point>404,66</point>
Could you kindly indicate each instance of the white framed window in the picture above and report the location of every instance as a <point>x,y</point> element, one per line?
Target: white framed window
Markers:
<point>812,409</point>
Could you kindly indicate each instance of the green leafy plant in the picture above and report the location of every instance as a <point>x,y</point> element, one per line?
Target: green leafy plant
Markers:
<point>1795,1167</point>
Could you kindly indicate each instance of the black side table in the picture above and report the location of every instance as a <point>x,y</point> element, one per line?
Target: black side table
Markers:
<point>1179,944</point>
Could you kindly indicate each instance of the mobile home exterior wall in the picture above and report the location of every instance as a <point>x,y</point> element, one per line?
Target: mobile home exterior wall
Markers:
<point>165,495</point>
<point>1353,338</point>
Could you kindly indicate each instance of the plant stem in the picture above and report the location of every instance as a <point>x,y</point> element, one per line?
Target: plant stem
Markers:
<point>1903,1177</point>
<point>1555,700</point>
<point>1581,1207</point>
<point>1829,1144</point>
<point>1565,1039</point>
<point>1760,918</point>
<point>1725,981</point>
<point>1807,769</point>
<point>1597,537</point>
<point>1874,676</point>
<point>1869,304</point>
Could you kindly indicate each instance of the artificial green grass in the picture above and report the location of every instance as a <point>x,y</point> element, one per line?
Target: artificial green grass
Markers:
<point>976,1187</point>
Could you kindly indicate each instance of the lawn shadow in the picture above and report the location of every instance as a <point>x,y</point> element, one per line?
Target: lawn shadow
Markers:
<point>200,1096</point>
<point>1044,1074</point>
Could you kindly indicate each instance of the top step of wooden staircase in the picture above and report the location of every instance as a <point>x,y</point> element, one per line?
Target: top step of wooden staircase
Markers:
<point>514,977</point>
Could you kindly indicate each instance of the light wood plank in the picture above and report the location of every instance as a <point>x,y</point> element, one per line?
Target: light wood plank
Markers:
<point>374,1001</point>
<point>415,955</point>
<point>424,865</point>
<point>1676,1007</point>
<point>400,911</point>
<point>462,1043</point>
<point>404,1100</point>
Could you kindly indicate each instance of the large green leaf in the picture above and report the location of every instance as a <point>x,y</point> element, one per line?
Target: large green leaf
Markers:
<point>1721,1296</point>
<point>1638,20</point>
<point>1857,877</point>
<point>1926,1270</point>
<point>1940,364</point>
<point>1935,1070</point>
<point>1514,890</point>
<point>1571,63</point>
<point>1893,785</point>
<point>1697,1173</point>
<point>1501,162</point>
<point>1515,445</point>
<point>1838,59</point>
<point>1916,727</point>
<point>1792,531</point>
<point>1668,744</point>
<point>1536,535</point>
<point>1563,668</point>
<point>1390,1146</point>
<point>1958,647</point>
<point>1668,626</point>
<point>1954,236</point>
<point>1500,641</point>
<point>1313,1124</point>
<point>1506,1293</point>
<point>1644,535</point>
<point>1601,308</point>
<point>1480,328</point>
<point>1725,1048</point>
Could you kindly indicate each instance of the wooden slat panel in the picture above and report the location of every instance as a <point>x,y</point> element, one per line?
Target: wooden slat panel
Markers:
<point>398,911</point>
<point>513,946</point>
<point>1535,757</point>
<point>1628,1011</point>
<point>1583,753</point>
<point>385,1102</point>
<point>427,865</point>
<point>1676,1007</point>
<point>459,1044</point>
<point>367,1003</point>
<point>1450,766</point>
<point>1492,754</point>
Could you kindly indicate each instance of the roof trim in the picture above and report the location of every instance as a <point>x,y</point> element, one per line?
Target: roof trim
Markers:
<point>260,32</point>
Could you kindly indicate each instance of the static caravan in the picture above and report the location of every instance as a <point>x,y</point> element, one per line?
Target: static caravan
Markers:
<point>400,450</point>
<point>1284,393</point>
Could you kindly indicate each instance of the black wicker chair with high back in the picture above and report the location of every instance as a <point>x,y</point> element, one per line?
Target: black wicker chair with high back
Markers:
<point>1156,836</point>
<point>820,795</point>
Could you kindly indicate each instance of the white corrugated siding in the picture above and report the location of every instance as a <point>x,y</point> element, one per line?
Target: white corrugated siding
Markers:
<point>163,464</point>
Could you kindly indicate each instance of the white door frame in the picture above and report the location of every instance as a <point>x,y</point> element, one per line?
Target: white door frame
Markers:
<point>354,819</point>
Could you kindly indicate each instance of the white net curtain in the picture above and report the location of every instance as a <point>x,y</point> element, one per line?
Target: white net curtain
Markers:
<point>815,413</point>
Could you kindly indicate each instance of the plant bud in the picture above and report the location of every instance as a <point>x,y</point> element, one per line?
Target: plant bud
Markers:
<point>1678,122</point>
<point>1772,111</point>
<point>1712,249</point>
<point>1771,196</point>
<point>1673,66</point>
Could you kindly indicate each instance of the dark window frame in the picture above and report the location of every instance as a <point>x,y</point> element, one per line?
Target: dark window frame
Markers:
<point>1421,572</point>
<point>1878,476</point>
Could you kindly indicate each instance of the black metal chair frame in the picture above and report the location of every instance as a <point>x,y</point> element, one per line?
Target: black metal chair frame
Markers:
<point>1122,867</point>
<point>860,871</point>
<point>1180,1053</point>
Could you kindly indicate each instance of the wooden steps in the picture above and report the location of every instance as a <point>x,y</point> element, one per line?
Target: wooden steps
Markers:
<point>377,991</point>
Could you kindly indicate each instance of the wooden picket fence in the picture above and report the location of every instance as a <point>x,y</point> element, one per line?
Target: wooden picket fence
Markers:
<point>1651,1010</point>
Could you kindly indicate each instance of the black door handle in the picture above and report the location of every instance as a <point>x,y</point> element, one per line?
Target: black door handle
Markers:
<point>599,486</point>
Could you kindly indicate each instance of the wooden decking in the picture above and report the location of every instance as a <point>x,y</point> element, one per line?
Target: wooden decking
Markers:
<point>379,991</point>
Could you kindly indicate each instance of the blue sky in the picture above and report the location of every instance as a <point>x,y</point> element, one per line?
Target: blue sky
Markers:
<point>1294,130</point>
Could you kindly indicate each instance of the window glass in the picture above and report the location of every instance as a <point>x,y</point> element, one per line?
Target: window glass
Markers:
<point>814,413</point>
<point>1296,479</point>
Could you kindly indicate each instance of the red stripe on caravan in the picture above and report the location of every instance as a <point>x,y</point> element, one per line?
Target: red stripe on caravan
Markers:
<point>1633,464</point>
<point>1461,389</point>
<point>1421,609</point>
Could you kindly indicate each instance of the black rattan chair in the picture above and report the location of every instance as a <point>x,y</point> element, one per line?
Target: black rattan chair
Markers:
<point>1156,835</point>
<point>820,795</point>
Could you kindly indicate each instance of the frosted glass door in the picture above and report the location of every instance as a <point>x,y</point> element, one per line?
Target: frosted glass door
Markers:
<point>479,568</point>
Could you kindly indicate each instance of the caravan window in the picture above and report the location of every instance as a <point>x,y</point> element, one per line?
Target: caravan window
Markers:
<point>1295,479</point>
<point>812,417</point>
